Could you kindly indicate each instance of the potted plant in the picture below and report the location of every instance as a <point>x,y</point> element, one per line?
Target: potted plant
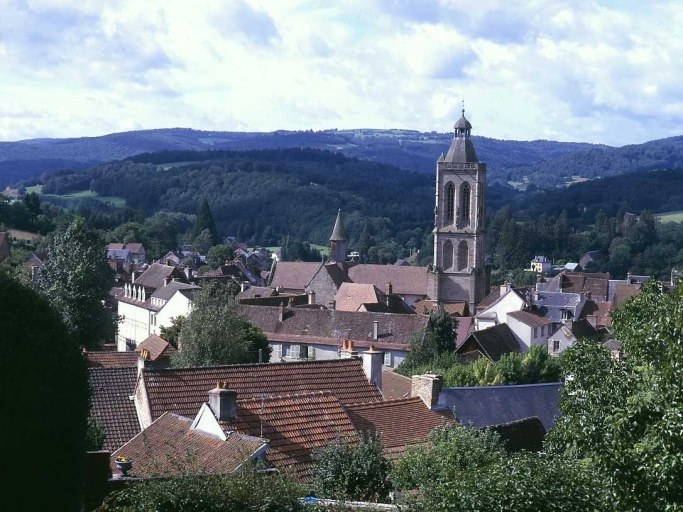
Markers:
<point>124,464</point>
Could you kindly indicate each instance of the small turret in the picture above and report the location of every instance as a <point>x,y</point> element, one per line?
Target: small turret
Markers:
<point>338,241</point>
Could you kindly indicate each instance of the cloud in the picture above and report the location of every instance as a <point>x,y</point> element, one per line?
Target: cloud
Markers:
<point>237,17</point>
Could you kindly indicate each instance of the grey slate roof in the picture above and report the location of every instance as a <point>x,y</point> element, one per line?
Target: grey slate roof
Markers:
<point>484,406</point>
<point>493,341</point>
<point>551,304</point>
<point>461,151</point>
<point>155,274</point>
<point>166,292</point>
<point>338,233</point>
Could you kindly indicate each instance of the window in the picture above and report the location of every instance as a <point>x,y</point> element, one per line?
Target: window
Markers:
<point>130,345</point>
<point>277,352</point>
<point>463,255</point>
<point>465,203</point>
<point>543,330</point>
<point>556,345</point>
<point>153,320</point>
<point>447,255</point>
<point>535,331</point>
<point>387,358</point>
<point>450,203</point>
<point>292,351</point>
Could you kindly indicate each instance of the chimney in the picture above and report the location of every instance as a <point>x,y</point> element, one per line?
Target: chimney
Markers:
<point>144,360</point>
<point>133,275</point>
<point>188,274</point>
<point>372,365</point>
<point>427,387</point>
<point>281,315</point>
<point>243,286</point>
<point>223,402</point>
<point>34,273</point>
<point>347,350</point>
<point>390,289</point>
<point>169,263</point>
<point>504,288</point>
<point>167,280</point>
<point>311,296</point>
<point>375,330</point>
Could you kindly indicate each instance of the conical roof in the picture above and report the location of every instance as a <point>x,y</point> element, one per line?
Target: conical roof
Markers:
<point>462,123</point>
<point>338,233</point>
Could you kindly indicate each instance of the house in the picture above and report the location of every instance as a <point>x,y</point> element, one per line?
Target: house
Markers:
<point>131,252</point>
<point>305,333</point>
<point>591,258</point>
<point>483,406</point>
<point>410,283</point>
<point>491,343</point>
<point>155,350</point>
<point>151,301</point>
<point>529,328</point>
<point>182,391</point>
<point>367,297</point>
<point>495,307</point>
<point>34,263</point>
<point>111,359</point>
<point>172,259</point>
<point>174,445</point>
<point>540,265</point>
<point>111,404</point>
<point>4,245</point>
<point>236,271</point>
<point>567,335</point>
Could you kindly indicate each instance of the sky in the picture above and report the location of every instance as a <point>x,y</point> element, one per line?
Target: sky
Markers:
<point>606,72</point>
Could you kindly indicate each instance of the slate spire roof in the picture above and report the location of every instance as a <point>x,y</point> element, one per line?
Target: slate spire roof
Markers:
<point>338,233</point>
<point>461,149</point>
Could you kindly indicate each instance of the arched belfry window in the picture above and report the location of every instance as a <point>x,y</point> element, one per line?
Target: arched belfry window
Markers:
<point>450,203</point>
<point>447,258</point>
<point>465,203</point>
<point>463,255</point>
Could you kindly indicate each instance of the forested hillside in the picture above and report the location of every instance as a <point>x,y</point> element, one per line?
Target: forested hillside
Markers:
<point>264,195</point>
<point>407,149</point>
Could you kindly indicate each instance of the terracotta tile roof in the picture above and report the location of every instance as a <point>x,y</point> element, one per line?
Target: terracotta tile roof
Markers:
<point>624,292</point>
<point>530,318</point>
<point>183,390</point>
<point>294,275</point>
<point>334,325</point>
<point>256,291</point>
<point>492,297</point>
<point>453,308</point>
<point>351,296</point>
<point>294,426</point>
<point>596,284</point>
<point>109,359</point>
<point>600,309</point>
<point>157,347</point>
<point>401,422</point>
<point>395,385</point>
<point>404,280</point>
<point>169,447</point>
<point>111,406</point>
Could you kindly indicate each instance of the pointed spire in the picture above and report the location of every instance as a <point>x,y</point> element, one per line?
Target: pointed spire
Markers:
<point>338,233</point>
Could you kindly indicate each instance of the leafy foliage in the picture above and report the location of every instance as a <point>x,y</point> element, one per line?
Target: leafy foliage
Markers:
<point>352,470</point>
<point>172,332</point>
<point>76,279</point>
<point>214,333</point>
<point>44,400</point>
<point>462,469</point>
<point>438,339</point>
<point>218,255</point>
<point>245,491</point>
<point>626,416</point>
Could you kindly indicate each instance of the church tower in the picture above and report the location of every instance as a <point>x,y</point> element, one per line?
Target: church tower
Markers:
<point>458,273</point>
<point>338,241</point>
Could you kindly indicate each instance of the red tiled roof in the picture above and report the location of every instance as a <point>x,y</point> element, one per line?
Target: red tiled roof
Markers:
<point>168,447</point>
<point>401,422</point>
<point>600,309</point>
<point>597,284</point>
<point>452,308</point>
<point>351,296</point>
<point>395,385</point>
<point>294,274</point>
<point>111,405</point>
<point>294,426</point>
<point>183,390</point>
<point>157,346</point>
<point>404,280</point>
<point>624,292</point>
<point>108,359</point>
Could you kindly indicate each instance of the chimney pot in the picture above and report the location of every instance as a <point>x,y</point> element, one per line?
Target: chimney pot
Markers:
<point>372,366</point>
<point>223,402</point>
<point>375,330</point>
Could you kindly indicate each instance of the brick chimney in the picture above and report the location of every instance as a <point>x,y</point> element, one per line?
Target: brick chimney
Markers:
<point>347,350</point>
<point>144,360</point>
<point>223,402</point>
<point>372,365</point>
<point>427,387</point>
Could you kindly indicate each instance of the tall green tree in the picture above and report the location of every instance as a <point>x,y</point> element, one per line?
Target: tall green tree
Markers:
<point>44,402</point>
<point>214,332</point>
<point>76,279</point>
<point>625,416</point>
<point>439,338</point>
<point>204,221</point>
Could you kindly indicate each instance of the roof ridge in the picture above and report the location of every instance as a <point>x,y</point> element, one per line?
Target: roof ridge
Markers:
<point>289,395</point>
<point>383,403</point>
<point>249,365</point>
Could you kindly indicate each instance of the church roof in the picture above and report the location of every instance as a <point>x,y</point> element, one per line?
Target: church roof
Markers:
<point>461,151</point>
<point>338,233</point>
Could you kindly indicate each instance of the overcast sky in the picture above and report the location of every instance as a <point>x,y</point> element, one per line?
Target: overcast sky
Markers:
<point>597,71</point>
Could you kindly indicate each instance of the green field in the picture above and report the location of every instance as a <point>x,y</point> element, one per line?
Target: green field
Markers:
<point>38,189</point>
<point>118,202</point>
<point>166,167</point>
<point>670,216</point>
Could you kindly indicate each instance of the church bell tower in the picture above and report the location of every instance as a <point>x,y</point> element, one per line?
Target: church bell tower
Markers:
<point>458,273</point>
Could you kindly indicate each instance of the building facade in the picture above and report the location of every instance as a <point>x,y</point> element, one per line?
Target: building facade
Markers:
<point>458,273</point>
